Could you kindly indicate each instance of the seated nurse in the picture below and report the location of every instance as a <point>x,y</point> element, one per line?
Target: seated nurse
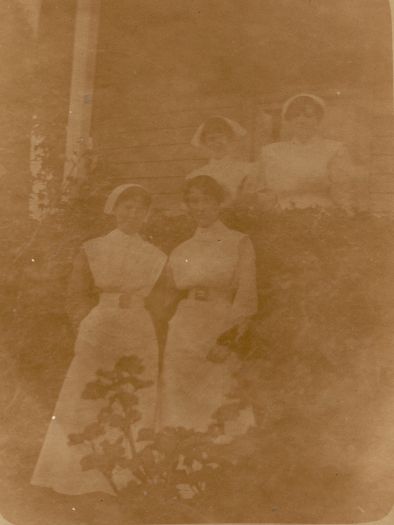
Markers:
<point>307,170</point>
<point>217,136</point>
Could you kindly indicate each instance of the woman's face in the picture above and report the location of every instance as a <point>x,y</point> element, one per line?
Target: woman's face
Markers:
<point>204,208</point>
<point>130,215</point>
<point>304,124</point>
<point>217,143</point>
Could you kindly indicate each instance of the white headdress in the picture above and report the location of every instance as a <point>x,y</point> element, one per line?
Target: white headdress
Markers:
<point>315,98</point>
<point>115,194</point>
<point>236,128</point>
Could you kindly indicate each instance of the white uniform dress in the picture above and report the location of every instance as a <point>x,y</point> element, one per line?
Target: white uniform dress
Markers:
<point>108,332</point>
<point>217,269</point>
<point>301,175</point>
<point>230,173</point>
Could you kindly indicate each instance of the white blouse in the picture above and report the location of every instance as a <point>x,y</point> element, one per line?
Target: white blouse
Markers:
<point>124,263</point>
<point>219,259</point>
<point>315,173</point>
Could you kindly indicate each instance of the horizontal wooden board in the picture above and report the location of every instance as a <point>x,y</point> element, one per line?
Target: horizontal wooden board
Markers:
<point>159,185</point>
<point>153,153</point>
<point>377,186</point>
<point>151,171</point>
<point>380,177</point>
<point>108,139</point>
<point>167,201</point>
<point>381,202</point>
<point>146,170</point>
<point>167,104</point>
<point>383,124</point>
<point>111,115</point>
<point>382,163</point>
<point>383,145</point>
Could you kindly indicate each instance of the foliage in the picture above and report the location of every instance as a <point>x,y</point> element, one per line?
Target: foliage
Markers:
<point>147,466</point>
<point>119,389</point>
<point>318,374</point>
<point>322,372</point>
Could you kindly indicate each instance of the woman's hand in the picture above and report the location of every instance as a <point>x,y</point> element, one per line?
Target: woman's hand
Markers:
<point>218,354</point>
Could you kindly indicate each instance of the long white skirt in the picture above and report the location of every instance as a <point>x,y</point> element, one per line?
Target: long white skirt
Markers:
<point>193,388</point>
<point>105,335</point>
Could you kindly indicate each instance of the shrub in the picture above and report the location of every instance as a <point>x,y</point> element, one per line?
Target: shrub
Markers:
<point>319,374</point>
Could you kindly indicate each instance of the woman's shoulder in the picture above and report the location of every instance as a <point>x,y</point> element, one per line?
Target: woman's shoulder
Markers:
<point>202,170</point>
<point>275,148</point>
<point>235,234</point>
<point>244,242</point>
<point>153,250</point>
<point>331,145</point>
<point>95,242</point>
<point>229,238</point>
<point>233,237</point>
<point>102,240</point>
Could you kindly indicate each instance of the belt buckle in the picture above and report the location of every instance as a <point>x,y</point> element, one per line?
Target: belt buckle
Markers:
<point>201,294</point>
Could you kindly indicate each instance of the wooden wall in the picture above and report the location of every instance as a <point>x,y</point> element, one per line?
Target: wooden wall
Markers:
<point>162,70</point>
<point>154,149</point>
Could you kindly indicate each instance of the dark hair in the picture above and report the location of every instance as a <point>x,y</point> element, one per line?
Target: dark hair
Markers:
<point>216,125</point>
<point>134,192</point>
<point>299,105</point>
<point>207,185</point>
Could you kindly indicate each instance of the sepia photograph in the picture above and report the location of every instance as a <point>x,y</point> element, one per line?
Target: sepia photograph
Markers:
<point>197,262</point>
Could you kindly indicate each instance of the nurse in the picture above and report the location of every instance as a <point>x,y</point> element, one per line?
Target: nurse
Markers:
<point>308,170</point>
<point>217,136</point>
<point>215,271</point>
<point>120,270</point>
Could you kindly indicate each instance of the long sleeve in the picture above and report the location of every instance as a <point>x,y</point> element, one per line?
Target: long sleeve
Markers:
<point>340,170</point>
<point>81,292</point>
<point>245,300</point>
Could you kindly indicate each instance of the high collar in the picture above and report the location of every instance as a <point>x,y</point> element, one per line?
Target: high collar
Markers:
<point>215,231</point>
<point>313,140</point>
<point>125,237</point>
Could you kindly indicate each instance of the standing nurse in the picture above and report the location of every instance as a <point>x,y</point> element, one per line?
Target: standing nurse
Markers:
<point>215,270</point>
<point>122,268</point>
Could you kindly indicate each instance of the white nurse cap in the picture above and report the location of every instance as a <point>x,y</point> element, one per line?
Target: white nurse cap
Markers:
<point>315,98</point>
<point>236,128</point>
<point>115,194</point>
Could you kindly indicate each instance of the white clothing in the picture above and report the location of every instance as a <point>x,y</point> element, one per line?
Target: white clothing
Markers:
<point>315,173</point>
<point>221,263</point>
<point>108,332</point>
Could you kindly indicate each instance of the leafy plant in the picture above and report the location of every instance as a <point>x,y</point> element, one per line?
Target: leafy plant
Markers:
<point>318,373</point>
<point>162,459</point>
<point>118,389</point>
